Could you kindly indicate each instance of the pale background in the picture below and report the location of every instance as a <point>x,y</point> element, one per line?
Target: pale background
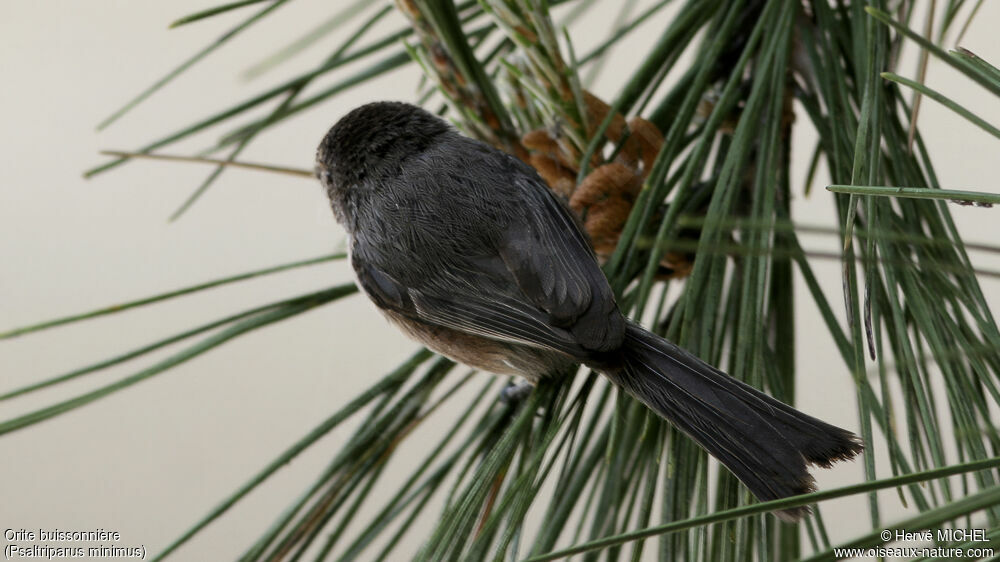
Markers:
<point>151,460</point>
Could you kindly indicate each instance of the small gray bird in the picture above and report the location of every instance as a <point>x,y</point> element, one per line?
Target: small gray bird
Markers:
<point>466,249</point>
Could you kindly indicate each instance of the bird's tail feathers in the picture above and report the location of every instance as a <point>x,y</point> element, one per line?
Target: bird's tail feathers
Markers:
<point>764,442</point>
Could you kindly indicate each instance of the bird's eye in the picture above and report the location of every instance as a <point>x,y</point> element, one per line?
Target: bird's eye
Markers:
<point>324,174</point>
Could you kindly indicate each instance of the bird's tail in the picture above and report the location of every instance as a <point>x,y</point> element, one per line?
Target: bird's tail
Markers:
<point>765,443</point>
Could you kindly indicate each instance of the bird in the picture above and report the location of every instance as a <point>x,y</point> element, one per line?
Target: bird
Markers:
<point>465,249</point>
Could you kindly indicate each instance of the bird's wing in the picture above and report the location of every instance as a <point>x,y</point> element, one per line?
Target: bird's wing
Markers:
<point>539,286</point>
<point>555,269</point>
<point>487,312</point>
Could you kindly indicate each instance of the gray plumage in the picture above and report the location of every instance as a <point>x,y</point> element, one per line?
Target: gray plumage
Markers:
<point>465,248</point>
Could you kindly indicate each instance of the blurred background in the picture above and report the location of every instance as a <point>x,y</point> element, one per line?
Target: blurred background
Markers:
<point>150,461</point>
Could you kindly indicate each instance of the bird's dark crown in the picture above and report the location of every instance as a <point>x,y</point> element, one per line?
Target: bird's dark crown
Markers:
<point>375,139</point>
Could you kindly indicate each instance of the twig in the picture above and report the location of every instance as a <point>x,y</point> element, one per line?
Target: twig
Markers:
<point>214,161</point>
